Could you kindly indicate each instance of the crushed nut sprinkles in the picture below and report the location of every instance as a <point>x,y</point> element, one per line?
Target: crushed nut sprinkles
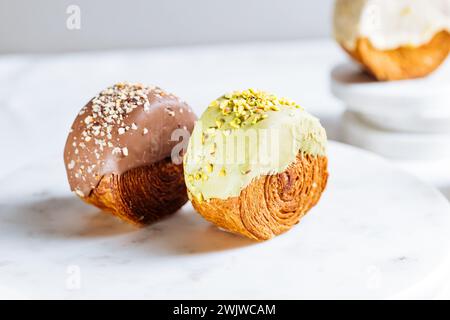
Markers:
<point>125,126</point>
<point>110,108</point>
<point>248,107</point>
<point>105,119</point>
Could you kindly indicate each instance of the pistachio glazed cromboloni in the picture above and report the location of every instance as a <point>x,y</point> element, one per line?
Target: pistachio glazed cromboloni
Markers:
<point>255,163</point>
<point>118,154</point>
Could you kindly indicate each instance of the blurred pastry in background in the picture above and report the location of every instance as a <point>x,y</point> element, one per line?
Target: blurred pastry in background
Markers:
<point>118,152</point>
<point>394,39</point>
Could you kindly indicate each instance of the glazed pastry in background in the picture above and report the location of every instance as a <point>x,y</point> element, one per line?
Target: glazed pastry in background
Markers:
<point>118,152</point>
<point>255,163</point>
<point>394,39</point>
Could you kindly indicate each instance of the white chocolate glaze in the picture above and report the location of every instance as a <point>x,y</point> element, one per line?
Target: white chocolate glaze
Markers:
<point>390,24</point>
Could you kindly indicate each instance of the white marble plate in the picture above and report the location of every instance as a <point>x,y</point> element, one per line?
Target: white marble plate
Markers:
<point>434,124</point>
<point>393,144</point>
<point>431,164</point>
<point>377,233</point>
<point>427,97</point>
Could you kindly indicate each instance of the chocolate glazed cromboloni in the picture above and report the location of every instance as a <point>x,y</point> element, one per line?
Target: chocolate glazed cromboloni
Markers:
<point>255,163</point>
<point>118,152</point>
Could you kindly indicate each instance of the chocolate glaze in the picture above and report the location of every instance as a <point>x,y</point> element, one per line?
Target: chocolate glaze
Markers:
<point>126,126</point>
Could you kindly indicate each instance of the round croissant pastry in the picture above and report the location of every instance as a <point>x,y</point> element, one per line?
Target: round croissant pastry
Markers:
<point>255,163</point>
<point>118,154</point>
<point>394,40</point>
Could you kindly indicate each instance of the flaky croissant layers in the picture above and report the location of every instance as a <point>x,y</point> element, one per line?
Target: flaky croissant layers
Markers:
<point>255,164</point>
<point>118,152</point>
<point>394,40</point>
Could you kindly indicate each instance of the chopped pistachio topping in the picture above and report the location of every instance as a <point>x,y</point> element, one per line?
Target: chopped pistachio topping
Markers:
<point>243,135</point>
<point>213,148</point>
<point>199,197</point>
<point>222,172</point>
<point>248,107</point>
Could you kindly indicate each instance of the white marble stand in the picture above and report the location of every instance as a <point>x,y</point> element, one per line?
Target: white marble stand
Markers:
<point>419,98</point>
<point>397,145</point>
<point>376,233</point>
<point>406,121</point>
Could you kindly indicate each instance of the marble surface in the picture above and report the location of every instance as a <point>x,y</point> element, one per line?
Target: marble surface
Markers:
<point>39,96</point>
<point>376,233</point>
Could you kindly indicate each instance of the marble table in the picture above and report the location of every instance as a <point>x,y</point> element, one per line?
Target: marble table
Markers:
<point>376,233</point>
<point>54,245</point>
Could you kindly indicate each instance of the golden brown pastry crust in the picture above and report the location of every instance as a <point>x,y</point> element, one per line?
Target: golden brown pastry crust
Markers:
<point>270,205</point>
<point>142,195</point>
<point>404,62</point>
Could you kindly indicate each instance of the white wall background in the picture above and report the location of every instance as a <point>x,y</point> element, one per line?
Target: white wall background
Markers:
<point>40,25</point>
